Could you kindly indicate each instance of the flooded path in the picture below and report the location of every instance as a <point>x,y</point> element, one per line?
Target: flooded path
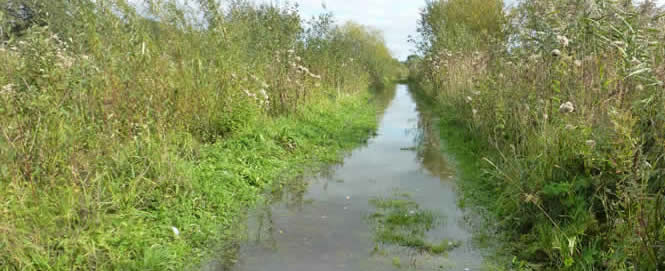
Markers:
<point>324,224</point>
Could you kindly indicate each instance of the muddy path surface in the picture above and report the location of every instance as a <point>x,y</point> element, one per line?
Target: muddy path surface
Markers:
<point>325,223</point>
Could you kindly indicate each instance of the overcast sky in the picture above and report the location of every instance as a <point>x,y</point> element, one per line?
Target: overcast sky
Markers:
<point>396,18</point>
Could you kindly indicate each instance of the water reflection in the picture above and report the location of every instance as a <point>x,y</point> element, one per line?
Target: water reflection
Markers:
<point>320,222</point>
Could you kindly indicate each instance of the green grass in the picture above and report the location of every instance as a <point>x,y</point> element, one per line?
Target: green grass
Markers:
<point>120,126</point>
<point>558,125</point>
<point>399,221</point>
<point>133,230</point>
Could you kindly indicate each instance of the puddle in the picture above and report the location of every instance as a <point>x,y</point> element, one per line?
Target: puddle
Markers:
<point>324,224</point>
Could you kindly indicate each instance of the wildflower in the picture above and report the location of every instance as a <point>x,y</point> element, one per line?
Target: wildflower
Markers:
<point>9,88</point>
<point>298,59</point>
<point>303,69</point>
<point>563,40</point>
<point>530,198</point>
<point>570,127</point>
<point>578,63</point>
<point>175,230</point>
<point>567,107</point>
<point>469,99</point>
<point>474,111</point>
<point>639,87</point>
<point>556,53</point>
<point>264,94</point>
<point>591,143</point>
<point>546,117</point>
<point>249,94</point>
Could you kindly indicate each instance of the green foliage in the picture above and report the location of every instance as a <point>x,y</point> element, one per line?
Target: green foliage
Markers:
<point>399,221</point>
<point>565,118</point>
<point>460,24</point>
<point>118,123</point>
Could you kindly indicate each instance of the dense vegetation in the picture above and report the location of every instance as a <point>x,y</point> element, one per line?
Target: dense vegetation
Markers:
<point>133,134</point>
<point>563,102</point>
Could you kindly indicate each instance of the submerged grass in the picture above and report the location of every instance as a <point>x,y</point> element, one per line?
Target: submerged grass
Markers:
<point>399,221</point>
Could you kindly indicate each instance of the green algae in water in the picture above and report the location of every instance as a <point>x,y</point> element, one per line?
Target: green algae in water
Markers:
<point>400,221</point>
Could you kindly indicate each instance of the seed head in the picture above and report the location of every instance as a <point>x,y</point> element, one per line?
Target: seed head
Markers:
<point>264,93</point>
<point>567,107</point>
<point>534,57</point>
<point>563,40</point>
<point>8,88</point>
<point>556,53</point>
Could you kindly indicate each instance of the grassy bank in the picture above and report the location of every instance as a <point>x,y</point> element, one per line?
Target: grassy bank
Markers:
<point>558,113</point>
<point>135,230</point>
<point>133,134</point>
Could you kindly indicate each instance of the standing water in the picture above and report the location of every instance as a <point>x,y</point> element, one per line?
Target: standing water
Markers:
<point>325,224</point>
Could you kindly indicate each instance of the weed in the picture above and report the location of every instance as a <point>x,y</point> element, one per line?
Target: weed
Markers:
<point>560,113</point>
<point>120,122</point>
<point>400,221</point>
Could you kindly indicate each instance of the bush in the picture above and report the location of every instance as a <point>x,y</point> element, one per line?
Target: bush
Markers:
<point>106,106</point>
<point>569,107</point>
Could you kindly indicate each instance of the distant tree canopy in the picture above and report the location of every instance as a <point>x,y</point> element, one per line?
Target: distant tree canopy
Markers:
<point>16,16</point>
<point>460,24</point>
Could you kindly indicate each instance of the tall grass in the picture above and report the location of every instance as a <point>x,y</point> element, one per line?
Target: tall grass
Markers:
<point>120,120</point>
<point>568,103</point>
